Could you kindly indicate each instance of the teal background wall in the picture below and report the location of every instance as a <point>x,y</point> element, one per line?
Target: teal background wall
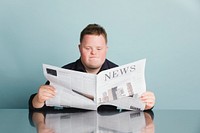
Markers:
<point>165,32</point>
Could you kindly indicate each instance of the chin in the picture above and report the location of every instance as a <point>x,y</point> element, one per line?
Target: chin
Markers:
<point>94,66</point>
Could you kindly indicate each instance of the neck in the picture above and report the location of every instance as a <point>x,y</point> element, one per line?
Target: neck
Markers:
<point>92,71</point>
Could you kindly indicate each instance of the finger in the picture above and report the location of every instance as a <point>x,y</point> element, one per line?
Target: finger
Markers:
<point>47,89</point>
<point>45,96</point>
<point>148,98</point>
<point>45,93</point>
<point>148,101</point>
<point>147,94</point>
<point>148,106</point>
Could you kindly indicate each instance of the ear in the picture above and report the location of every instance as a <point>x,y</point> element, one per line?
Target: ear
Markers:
<point>79,47</point>
<point>106,48</point>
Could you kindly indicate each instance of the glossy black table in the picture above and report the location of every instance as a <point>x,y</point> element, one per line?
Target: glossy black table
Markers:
<point>159,121</point>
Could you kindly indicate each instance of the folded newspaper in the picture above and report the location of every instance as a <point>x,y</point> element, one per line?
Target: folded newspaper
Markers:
<point>120,86</point>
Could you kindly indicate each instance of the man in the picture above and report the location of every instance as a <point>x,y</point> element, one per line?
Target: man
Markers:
<point>93,48</point>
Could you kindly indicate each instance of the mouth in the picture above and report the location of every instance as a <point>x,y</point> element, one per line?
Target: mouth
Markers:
<point>93,57</point>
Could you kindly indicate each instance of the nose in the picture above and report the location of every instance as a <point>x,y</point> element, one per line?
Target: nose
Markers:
<point>93,51</point>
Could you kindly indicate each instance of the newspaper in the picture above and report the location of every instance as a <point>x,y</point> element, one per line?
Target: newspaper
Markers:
<point>120,86</point>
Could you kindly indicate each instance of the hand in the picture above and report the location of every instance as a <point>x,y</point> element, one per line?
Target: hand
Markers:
<point>45,92</point>
<point>149,99</point>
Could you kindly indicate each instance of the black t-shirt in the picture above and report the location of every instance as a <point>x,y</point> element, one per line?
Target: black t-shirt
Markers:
<point>78,66</point>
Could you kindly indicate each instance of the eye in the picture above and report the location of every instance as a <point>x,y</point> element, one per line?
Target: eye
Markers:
<point>99,48</point>
<point>87,48</point>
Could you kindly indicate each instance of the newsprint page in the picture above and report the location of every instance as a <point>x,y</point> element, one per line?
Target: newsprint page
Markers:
<point>120,86</point>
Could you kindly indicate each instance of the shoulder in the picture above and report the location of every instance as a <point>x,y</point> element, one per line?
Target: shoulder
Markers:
<point>77,66</point>
<point>70,65</point>
<point>110,64</point>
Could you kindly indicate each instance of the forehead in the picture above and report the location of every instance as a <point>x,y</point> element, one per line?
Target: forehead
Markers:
<point>93,40</point>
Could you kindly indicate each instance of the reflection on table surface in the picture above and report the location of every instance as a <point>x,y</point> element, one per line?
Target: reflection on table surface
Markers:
<point>163,121</point>
<point>92,122</point>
